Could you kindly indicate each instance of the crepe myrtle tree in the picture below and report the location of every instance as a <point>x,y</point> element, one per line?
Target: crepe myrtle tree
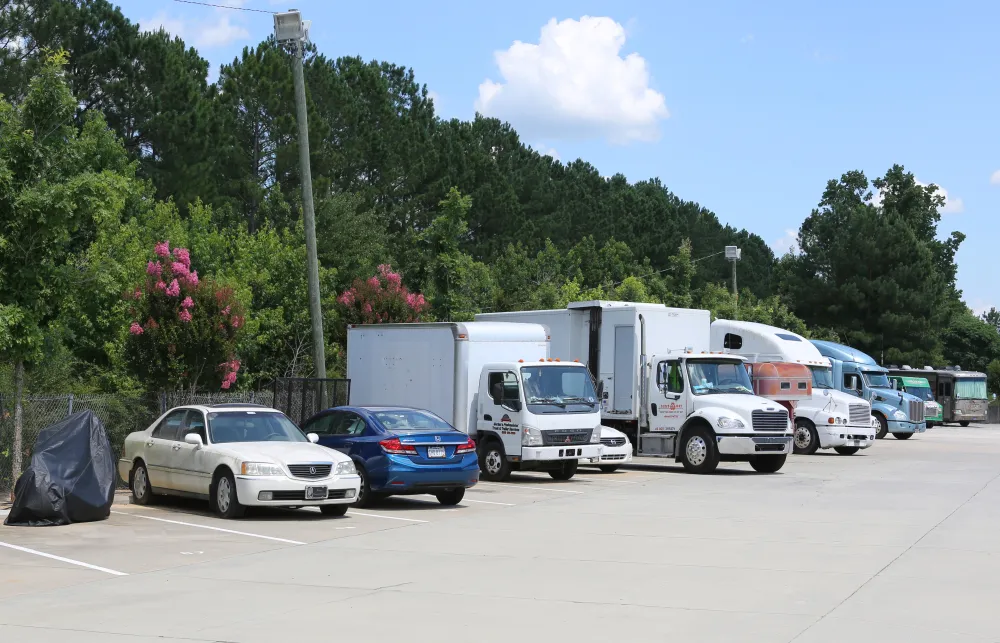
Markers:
<point>184,329</point>
<point>381,299</point>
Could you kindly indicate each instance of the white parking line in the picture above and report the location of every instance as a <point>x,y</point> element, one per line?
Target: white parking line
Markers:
<point>516,485</point>
<point>227,531</point>
<point>358,513</point>
<point>487,502</point>
<point>65,560</point>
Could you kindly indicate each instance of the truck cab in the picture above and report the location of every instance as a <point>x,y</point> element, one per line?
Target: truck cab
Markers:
<point>912,382</point>
<point>858,374</point>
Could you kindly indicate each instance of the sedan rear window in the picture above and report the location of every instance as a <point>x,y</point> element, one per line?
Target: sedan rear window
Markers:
<point>411,420</point>
<point>252,426</point>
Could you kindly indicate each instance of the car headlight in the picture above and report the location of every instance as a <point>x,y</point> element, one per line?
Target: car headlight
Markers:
<point>261,469</point>
<point>531,437</point>
<point>346,468</point>
<point>730,423</point>
<point>899,415</point>
<point>595,436</point>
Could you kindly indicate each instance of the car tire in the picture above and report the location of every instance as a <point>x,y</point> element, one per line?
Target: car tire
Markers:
<point>493,461</point>
<point>768,463</point>
<point>610,468</point>
<point>451,497</point>
<point>883,427</point>
<point>223,497</point>
<point>964,423</point>
<point>366,497</point>
<point>846,450</point>
<point>566,471</point>
<point>806,439</point>
<point>142,492</point>
<point>699,452</point>
<point>333,510</point>
<point>902,436</point>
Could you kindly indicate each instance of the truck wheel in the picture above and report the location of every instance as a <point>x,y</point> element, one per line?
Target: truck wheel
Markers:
<point>699,453</point>
<point>609,468</point>
<point>902,436</point>
<point>846,450</point>
<point>964,423</point>
<point>883,427</point>
<point>566,471</point>
<point>806,438</point>
<point>768,463</point>
<point>493,461</point>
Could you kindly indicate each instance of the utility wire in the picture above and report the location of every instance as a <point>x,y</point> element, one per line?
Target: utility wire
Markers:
<point>671,267</point>
<point>225,6</point>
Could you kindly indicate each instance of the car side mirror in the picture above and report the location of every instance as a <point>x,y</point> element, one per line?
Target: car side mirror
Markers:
<point>195,439</point>
<point>312,437</point>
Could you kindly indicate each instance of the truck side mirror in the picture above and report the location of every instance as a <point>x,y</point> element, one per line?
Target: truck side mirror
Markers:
<point>600,390</point>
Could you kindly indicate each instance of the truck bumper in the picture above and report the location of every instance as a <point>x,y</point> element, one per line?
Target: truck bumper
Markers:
<point>902,426</point>
<point>846,436</point>
<point>578,451</point>
<point>754,444</point>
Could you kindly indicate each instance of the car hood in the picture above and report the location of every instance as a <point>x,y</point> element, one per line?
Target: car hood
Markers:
<point>608,432</point>
<point>280,452</point>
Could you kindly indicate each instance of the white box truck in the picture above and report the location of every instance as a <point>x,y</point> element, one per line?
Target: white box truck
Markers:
<point>496,382</point>
<point>829,418</point>
<point>660,386</point>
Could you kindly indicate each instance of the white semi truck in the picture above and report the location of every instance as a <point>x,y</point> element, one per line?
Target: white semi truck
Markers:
<point>828,419</point>
<point>496,382</point>
<point>660,386</point>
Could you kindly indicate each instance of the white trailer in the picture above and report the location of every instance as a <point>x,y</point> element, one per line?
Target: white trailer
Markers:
<point>829,419</point>
<point>698,409</point>
<point>495,382</point>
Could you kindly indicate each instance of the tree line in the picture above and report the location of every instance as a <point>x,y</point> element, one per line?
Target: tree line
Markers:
<point>113,140</point>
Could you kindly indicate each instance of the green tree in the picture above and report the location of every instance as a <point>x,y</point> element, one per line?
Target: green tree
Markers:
<point>992,317</point>
<point>993,378</point>
<point>970,342</point>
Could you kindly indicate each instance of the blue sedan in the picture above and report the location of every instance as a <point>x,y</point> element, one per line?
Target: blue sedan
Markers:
<point>400,451</point>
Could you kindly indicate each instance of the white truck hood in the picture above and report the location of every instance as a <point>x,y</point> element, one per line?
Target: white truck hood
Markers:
<point>831,401</point>
<point>742,405</point>
<point>280,452</point>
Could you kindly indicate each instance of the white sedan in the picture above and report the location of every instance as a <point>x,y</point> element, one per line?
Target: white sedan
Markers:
<point>616,452</point>
<point>234,456</point>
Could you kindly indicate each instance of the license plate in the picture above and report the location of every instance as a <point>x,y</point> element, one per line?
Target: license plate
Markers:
<point>435,452</point>
<point>315,493</point>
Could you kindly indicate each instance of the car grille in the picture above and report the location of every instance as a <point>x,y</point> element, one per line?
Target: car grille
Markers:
<point>301,495</point>
<point>860,414</point>
<point>613,442</point>
<point>916,411</point>
<point>310,471</point>
<point>769,420</point>
<point>560,437</point>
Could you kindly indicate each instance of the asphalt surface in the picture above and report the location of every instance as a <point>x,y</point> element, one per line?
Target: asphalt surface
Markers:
<point>898,543</point>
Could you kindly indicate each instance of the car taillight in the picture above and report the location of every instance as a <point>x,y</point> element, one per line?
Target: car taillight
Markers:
<point>394,446</point>
<point>468,447</point>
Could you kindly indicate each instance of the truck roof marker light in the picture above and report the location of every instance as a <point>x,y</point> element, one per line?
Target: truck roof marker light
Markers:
<point>520,361</point>
<point>576,361</point>
<point>557,359</point>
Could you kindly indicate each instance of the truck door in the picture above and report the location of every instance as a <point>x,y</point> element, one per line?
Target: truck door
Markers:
<point>667,408</point>
<point>500,410</point>
<point>625,369</point>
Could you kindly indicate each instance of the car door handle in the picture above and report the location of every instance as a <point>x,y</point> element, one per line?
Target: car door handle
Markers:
<point>488,418</point>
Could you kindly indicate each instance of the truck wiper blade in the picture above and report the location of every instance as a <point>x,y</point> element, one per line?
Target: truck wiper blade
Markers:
<point>578,399</point>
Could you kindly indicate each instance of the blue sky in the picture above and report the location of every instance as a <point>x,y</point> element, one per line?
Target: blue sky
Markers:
<point>747,109</point>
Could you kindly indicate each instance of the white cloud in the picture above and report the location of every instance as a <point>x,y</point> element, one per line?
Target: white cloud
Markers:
<point>216,32</point>
<point>434,96</point>
<point>220,32</point>
<point>951,205</point>
<point>995,178</point>
<point>575,84</point>
<point>789,242</point>
<point>549,152</point>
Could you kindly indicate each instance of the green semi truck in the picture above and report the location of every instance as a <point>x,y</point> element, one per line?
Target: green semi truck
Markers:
<point>920,387</point>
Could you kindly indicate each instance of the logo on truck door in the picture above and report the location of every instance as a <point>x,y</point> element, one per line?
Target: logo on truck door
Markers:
<point>671,410</point>
<point>505,426</point>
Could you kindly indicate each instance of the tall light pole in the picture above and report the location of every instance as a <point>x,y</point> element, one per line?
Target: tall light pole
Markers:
<point>733,254</point>
<point>290,29</point>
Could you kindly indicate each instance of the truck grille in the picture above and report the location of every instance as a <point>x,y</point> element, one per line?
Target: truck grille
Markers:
<point>310,471</point>
<point>560,437</point>
<point>860,414</point>
<point>916,411</point>
<point>769,420</point>
<point>613,442</point>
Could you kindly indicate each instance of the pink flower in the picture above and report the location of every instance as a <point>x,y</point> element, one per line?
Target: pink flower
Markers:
<point>234,366</point>
<point>367,308</point>
<point>225,311</point>
<point>237,321</point>
<point>182,255</point>
<point>226,384</point>
<point>160,285</point>
<point>137,294</point>
<point>174,289</point>
<point>162,249</point>
<point>185,316</point>
<point>394,279</point>
<point>347,298</point>
<point>179,269</point>
<point>135,329</point>
<point>154,268</point>
<point>192,278</point>
<point>374,282</point>
<point>187,303</point>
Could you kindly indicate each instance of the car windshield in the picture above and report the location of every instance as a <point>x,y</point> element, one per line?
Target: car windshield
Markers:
<point>876,379</point>
<point>970,388</point>
<point>252,426</point>
<point>822,376</point>
<point>411,420</point>
<point>711,377</point>
<point>558,389</point>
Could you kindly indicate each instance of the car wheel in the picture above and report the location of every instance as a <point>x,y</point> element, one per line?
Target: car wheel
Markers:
<point>142,493</point>
<point>964,423</point>
<point>768,463</point>
<point>451,497</point>
<point>493,461</point>
<point>846,450</point>
<point>902,436</point>
<point>806,439</point>
<point>333,510</point>
<point>610,468</point>
<point>223,497</point>
<point>566,471</point>
<point>883,427</point>
<point>366,497</point>
<point>699,453</point>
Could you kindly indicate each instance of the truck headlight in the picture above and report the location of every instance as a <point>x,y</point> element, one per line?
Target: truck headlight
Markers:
<point>346,468</point>
<point>899,415</point>
<point>595,436</point>
<point>261,469</point>
<point>730,423</point>
<point>531,437</point>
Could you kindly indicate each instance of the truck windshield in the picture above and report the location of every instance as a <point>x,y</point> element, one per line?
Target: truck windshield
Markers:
<point>822,376</point>
<point>711,377</point>
<point>971,388</point>
<point>876,379</point>
<point>558,389</point>
<point>923,392</point>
